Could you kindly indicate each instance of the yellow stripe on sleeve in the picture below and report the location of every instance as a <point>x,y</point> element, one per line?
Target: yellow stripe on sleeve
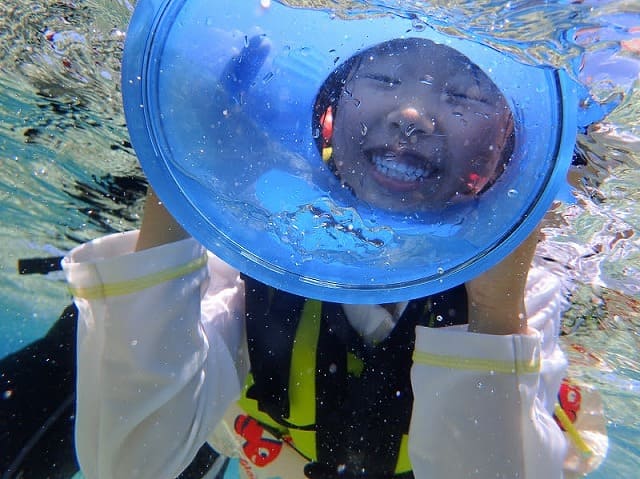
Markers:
<point>139,284</point>
<point>474,364</point>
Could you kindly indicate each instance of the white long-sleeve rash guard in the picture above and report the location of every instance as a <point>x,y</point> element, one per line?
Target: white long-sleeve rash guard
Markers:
<point>162,354</point>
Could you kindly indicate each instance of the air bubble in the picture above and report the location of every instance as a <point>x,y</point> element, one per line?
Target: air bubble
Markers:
<point>363,129</point>
<point>440,270</point>
<point>512,193</point>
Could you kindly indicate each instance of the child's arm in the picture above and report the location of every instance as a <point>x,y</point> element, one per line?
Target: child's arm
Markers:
<point>158,226</point>
<point>490,390</point>
<point>160,348</point>
<point>497,298</point>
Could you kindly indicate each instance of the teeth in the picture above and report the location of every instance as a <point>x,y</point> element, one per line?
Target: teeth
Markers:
<point>388,166</point>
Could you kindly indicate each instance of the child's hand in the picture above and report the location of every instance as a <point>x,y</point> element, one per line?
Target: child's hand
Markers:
<point>240,72</point>
<point>496,298</point>
<point>158,226</point>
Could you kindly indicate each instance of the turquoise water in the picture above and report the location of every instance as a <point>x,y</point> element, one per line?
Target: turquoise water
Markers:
<point>69,175</point>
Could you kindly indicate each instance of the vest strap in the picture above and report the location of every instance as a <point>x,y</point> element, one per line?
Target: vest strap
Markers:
<point>271,319</point>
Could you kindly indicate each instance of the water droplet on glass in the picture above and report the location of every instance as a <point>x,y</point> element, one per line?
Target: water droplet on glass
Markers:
<point>267,77</point>
<point>418,25</point>
<point>410,129</point>
<point>427,80</point>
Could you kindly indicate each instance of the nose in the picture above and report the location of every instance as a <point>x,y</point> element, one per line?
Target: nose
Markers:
<point>409,121</point>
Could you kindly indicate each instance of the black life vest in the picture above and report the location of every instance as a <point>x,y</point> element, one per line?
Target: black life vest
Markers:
<point>345,405</point>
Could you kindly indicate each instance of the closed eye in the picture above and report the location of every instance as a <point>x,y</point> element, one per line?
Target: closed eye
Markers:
<point>385,79</point>
<point>459,96</point>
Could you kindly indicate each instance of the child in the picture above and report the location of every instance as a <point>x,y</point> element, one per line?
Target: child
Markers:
<point>168,332</point>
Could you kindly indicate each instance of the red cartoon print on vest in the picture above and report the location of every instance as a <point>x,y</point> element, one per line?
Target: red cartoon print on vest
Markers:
<point>569,398</point>
<point>260,451</point>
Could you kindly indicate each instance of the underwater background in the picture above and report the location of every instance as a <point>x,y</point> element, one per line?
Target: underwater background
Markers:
<point>69,173</point>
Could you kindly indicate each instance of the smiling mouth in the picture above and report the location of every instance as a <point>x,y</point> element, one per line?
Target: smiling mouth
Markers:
<point>402,167</point>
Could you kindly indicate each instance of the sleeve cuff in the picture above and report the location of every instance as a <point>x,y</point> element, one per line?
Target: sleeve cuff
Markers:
<point>456,348</point>
<point>110,266</point>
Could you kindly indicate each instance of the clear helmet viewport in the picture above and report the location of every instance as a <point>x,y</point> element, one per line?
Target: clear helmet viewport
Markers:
<point>347,159</point>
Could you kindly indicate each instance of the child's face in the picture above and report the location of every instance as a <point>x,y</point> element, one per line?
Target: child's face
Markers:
<point>419,129</point>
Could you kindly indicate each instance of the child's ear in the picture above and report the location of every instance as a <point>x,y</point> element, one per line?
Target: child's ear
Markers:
<point>326,130</point>
<point>326,125</point>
